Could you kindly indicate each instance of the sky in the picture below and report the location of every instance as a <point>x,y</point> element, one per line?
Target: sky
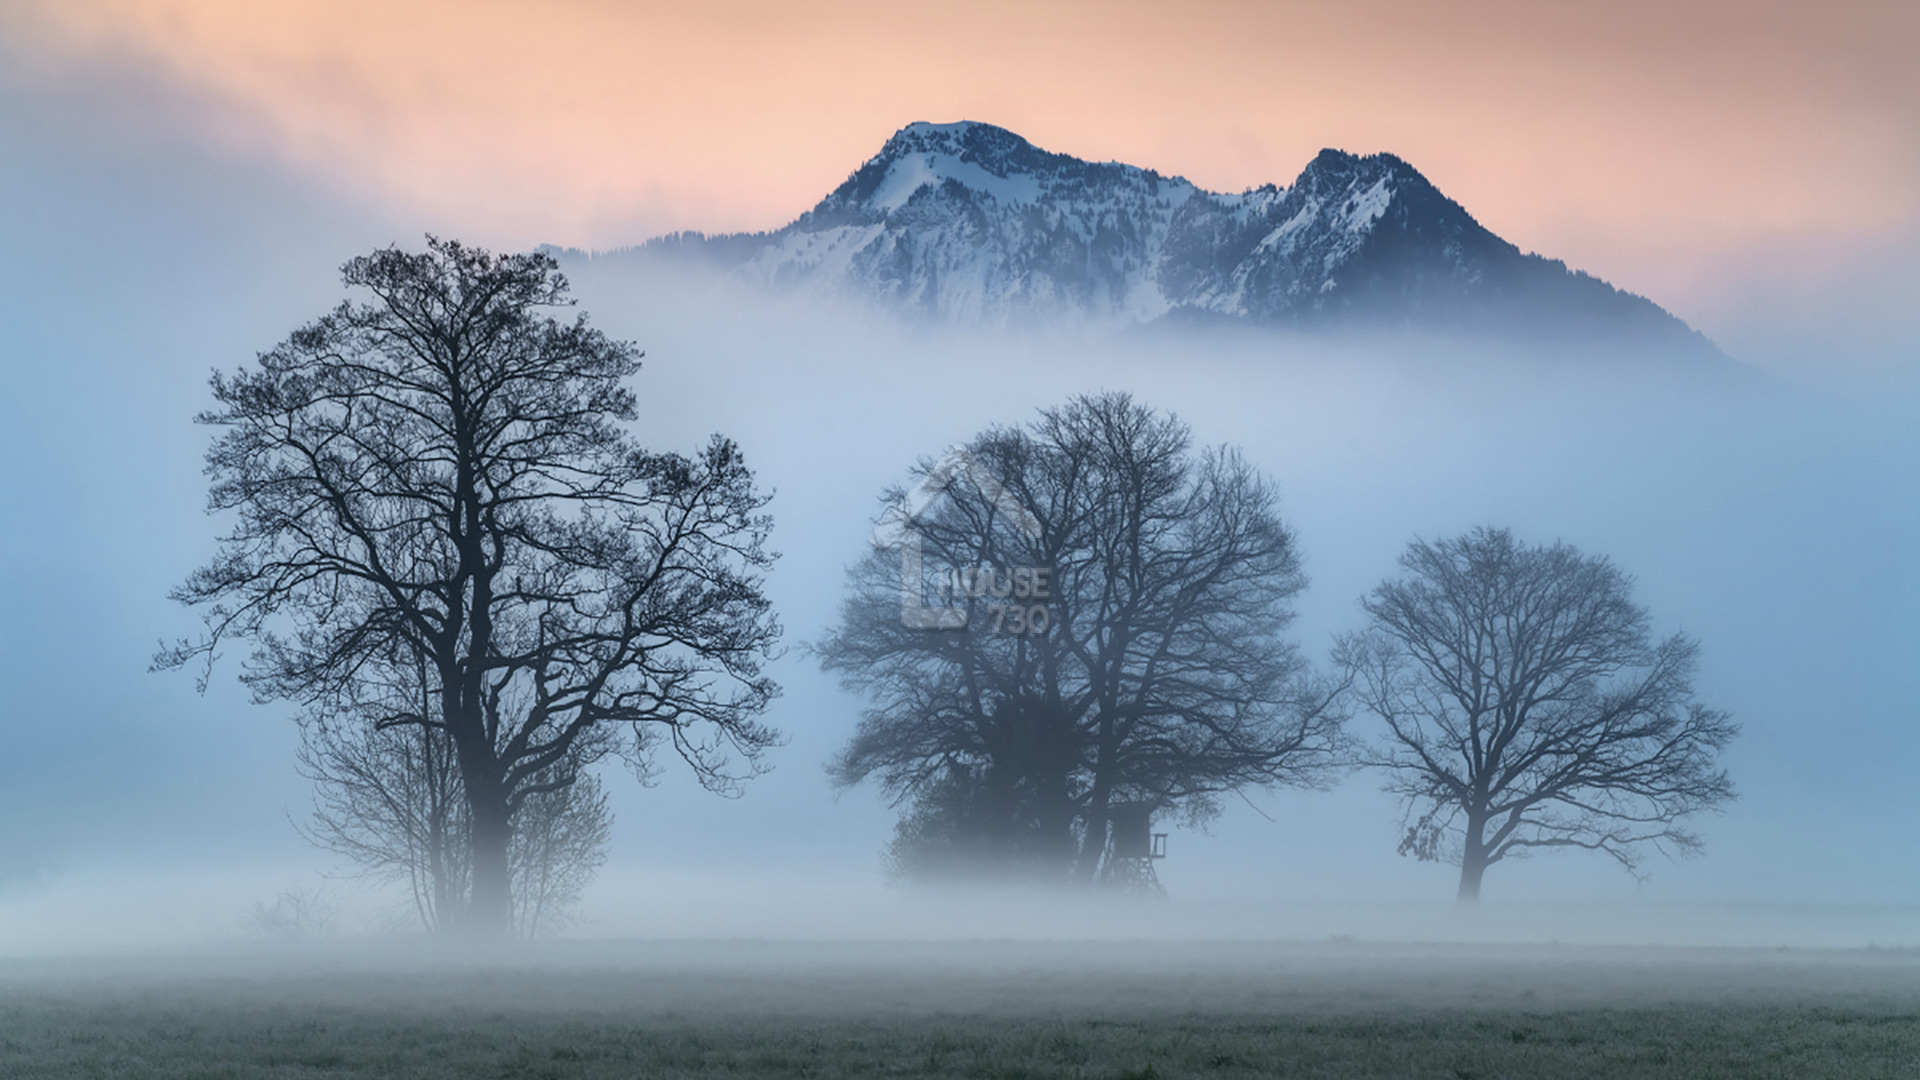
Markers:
<point>1722,157</point>
<point>179,183</point>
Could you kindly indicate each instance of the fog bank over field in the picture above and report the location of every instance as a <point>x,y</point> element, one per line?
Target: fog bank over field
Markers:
<point>204,916</point>
<point>1772,519</point>
<point>758,981</point>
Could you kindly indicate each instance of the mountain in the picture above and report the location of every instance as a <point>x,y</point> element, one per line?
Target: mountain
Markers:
<point>971,222</point>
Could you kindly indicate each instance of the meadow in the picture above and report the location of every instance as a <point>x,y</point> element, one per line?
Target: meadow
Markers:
<point>984,1009</point>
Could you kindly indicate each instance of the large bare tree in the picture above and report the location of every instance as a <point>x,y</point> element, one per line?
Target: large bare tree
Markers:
<point>1528,706</point>
<point>1155,669</point>
<point>440,467</point>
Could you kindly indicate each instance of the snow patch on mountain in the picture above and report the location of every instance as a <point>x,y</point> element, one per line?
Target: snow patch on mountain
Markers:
<point>907,176</point>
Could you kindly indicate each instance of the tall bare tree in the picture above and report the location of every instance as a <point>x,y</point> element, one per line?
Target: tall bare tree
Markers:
<point>1527,706</point>
<point>441,469</point>
<point>1157,670</point>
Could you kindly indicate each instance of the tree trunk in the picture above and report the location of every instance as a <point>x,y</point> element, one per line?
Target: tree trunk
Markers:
<point>1473,861</point>
<point>1470,873</point>
<point>1054,807</point>
<point>490,911</point>
<point>490,900</point>
<point>1093,846</point>
<point>1055,813</point>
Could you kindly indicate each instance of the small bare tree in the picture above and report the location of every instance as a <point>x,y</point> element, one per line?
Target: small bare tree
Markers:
<point>295,915</point>
<point>1527,706</point>
<point>389,800</point>
<point>559,843</point>
<point>388,797</point>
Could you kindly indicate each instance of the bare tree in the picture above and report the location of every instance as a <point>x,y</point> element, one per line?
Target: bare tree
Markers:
<point>441,470</point>
<point>389,799</point>
<point>295,915</point>
<point>559,843</point>
<point>1158,671</point>
<point>1527,706</point>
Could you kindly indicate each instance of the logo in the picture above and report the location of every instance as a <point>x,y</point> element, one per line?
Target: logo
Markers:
<point>1010,599</point>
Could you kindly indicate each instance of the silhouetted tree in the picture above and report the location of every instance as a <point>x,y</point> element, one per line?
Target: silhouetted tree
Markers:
<point>441,470</point>
<point>1527,706</point>
<point>1158,671</point>
<point>389,799</point>
<point>559,843</point>
<point>953,830</point>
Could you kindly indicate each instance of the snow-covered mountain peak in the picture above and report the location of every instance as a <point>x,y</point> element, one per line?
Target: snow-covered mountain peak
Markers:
<point>982,158</point>
<point>964,137</point>
<point>970,221</point>
<point>972,159</point>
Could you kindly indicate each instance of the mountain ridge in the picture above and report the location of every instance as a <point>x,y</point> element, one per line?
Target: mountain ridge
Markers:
<point>972,222</point>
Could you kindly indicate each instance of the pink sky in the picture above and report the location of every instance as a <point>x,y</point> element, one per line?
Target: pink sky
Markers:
<point>1660,145</point>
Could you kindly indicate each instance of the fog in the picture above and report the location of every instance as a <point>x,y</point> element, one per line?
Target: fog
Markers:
<point>1768,512</point>
<point>1771,518</point>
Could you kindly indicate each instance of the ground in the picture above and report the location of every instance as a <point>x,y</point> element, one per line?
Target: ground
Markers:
<point>972,1009</point>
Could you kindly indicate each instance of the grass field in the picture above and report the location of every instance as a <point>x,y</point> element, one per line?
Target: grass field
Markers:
<point>982,1009</point>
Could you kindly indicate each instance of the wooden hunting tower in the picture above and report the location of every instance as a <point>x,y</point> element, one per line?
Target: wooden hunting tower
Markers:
<point>1135,846</point>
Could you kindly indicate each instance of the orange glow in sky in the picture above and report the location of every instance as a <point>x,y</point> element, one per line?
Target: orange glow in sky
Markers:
<point>1646,142</point>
